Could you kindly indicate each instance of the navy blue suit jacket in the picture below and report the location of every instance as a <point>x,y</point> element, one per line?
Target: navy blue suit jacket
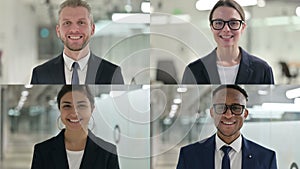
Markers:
<point>51,154</point>
<point>99,71</point>
<point>252,70</point>
<point>201,155</point>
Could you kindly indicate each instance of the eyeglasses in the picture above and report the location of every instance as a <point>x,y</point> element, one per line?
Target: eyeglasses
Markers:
<point>218,24</point>
<point>236,109</point>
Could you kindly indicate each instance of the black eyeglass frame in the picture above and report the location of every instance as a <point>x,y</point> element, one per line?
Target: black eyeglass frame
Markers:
<point>226,22</point>
<point>230,107</point>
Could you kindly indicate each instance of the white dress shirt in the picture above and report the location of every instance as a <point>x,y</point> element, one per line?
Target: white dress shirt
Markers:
<point>83,65</point>
<point>235,154</point>
<point>228,74</point>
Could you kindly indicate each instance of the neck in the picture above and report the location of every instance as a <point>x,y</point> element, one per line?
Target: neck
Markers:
<point>228,56</point>
<point>228,139</point>
<point>76,55</point>
<point>75,140</point>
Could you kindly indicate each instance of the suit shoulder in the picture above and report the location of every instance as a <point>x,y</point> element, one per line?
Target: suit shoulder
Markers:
<point>48,63</point>
<point>102,143</point>
<point>47,144</point>
<point>195,146</point>
<point>256,61</point>
<point>259,148</point>
<point>104,62</point>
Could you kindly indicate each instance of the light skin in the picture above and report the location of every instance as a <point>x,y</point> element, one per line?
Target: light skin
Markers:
<point>75,111</point>
<point>75,29</point>
<point>227,40</point>
<point>228,125</point>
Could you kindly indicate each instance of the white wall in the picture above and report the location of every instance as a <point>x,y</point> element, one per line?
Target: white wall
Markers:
<point>18,41</point>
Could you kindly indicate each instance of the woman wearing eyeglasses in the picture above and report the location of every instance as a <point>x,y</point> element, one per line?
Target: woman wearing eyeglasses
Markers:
<point>75,147</point>
<point>228,63</point>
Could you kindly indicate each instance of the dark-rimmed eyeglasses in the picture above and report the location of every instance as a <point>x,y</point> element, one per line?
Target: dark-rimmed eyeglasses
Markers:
<point>218,24</point>
<point>236,109</point>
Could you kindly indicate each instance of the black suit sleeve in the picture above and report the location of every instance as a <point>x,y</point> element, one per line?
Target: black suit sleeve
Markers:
<point>269,79</point>
<point>34,79</point>
<point>36,160</point>
<point>113,162</point>
<point>180,164</point>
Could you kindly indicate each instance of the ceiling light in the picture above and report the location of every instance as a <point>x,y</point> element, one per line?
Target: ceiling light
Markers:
<point>298,11</point>
<point>145,7</point>
<point>261,3</point>
<point>131,18</point>
<point>177,101</point>
<point>293,93</point>
<point>181,89</point>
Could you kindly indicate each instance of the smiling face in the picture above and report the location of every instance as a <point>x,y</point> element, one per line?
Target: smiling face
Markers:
<point>75,28</point>
<point>76,110</point>
<point>229,125</point>
<point>227,37</point>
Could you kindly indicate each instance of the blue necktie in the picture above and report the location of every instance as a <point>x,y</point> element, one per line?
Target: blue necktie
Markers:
<point>226,160</point>
<point>75,78</point>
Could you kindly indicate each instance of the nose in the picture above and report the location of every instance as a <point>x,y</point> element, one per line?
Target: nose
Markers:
<point>74,27</point>
<point>226,27</point>
<point>228,113</point>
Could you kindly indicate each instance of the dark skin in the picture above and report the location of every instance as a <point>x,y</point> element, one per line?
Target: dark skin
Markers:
<point>228,124</point>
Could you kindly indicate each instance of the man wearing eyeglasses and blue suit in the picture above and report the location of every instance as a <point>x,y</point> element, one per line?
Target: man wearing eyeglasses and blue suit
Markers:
<point>227,149</point>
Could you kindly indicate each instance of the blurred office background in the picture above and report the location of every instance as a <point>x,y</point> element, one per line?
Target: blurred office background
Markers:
<point>29,116</point>
<point>180,34</point>
<point>180,116</point>
<point>28,37</point>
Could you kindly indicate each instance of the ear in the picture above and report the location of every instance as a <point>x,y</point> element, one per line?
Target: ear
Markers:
<point>245,113</point>
<point>244,27</point>
<point>93,108</point>
<point>211,110</point>
<point>93,29</point>
<point>57,31</point>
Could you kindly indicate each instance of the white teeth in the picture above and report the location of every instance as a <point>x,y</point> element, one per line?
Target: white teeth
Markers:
<point>74,121</point>
<point>228,123</point>
<point>74,37</point>
<point>226,37</point>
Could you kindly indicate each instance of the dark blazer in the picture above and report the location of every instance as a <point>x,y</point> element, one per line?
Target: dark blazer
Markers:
<point>252,70</point>
<point>51,154</point>
<point>201,155</point>
<point>99,71</point>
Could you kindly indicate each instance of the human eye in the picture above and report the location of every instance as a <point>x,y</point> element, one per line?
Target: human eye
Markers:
<point>218,22</point>
<point>236,108</point>
<point>234,23</point>
<point>66,23</point>
<point>82,106</point>
<point>66,106</point>
<point>219,108</point>
<point>81,22</point>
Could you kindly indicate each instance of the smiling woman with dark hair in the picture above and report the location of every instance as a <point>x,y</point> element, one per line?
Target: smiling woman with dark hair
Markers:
<point>228,63</point>
<point>75,147</point>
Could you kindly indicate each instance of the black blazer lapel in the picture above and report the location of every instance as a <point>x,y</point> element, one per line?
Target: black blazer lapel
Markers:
<point>57,74</point>
<point>210,63</point>
<point>58,153</point>
<point>248,159</point>
<point>90,153</point>
<point>245,72</point>
<point>209,154</point>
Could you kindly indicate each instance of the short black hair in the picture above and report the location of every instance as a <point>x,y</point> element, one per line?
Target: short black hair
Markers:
<point>69,88</point>
<point>236,87</point>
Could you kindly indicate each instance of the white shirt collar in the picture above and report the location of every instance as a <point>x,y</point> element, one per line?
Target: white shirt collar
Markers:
<point>82,62</point>
<point>236,145</point>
